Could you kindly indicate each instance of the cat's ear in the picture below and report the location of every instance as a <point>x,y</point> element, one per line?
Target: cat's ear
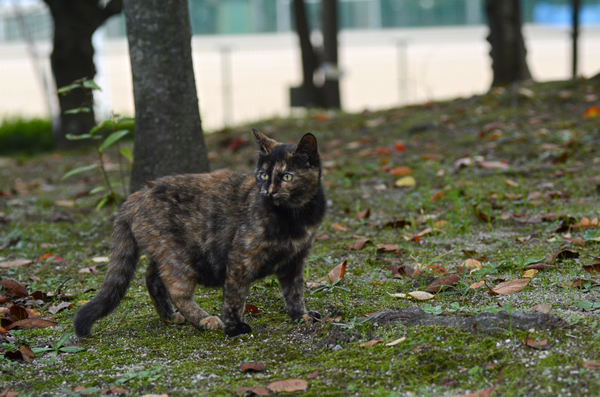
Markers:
<point>308,148</point>
<point>265,144</point>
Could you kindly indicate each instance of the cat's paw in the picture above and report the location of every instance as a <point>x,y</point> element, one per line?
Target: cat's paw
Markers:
<point>307,318</point>
<point>212,322</point>
<point>238,329</point>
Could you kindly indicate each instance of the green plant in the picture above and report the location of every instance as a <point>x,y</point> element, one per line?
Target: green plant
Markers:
<point>110,132</point>
<point>58,347</point>
<point>435,310</point>
<point>26,136</point>
<point>150,375</point>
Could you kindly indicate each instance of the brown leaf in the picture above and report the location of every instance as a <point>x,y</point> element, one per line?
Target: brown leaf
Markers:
<point>592,365</point>
<point>251,309</point>
<point>400,171</point>
<point>437,269</point>
<point>336,273</point>
<point>20,313</point>
<point>388,247</point>
<point>537,345</point>
<point>26,353</point>
<point>254,367</point>
<point>358,244</point>
<point>288,385</point>
<point>562,255</point>
<point>542,308</point>
<point>477,285</point>
<point>371,343</point>
<point>363,215</point>
<point>508,287</point>
<point>31,323</point>
<point>64,305</point>
<point>255,390</point>
<point>314,374</point>
<point>17,263</point>
<point>91,269</point>
<point>339,227</point>
<point>539,266</point>
<point>482,216</point>
<point>8,393</point>
<point>13,288</point>
<point>115,390</point>
<point>447,281</point>
<point>592,269</point>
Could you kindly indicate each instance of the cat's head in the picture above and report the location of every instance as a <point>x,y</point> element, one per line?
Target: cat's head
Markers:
<point>288,175</point>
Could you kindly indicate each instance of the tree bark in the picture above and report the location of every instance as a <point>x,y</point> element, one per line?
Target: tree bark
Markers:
<point>508,47</point>
<point>72,58</point>
<point>329,25</point>
<point>168,130</point>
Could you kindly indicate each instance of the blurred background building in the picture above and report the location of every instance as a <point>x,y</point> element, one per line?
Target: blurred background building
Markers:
<point>246,55</point>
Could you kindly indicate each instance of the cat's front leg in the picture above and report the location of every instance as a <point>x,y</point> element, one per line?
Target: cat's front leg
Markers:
<point>292,288</point>
<point>235,293</point>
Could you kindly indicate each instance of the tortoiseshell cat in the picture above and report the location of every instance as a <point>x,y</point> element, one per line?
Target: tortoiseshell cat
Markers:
<point>224,230</point>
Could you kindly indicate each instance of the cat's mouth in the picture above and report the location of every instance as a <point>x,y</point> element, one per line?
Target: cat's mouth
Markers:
<point>275,198</point>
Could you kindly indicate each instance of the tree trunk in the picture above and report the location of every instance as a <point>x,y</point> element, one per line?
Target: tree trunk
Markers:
<point>72,58</point>
<point>168,130</point>
<point>307,94</point>
<point>508,47</point>
<point>329,25</point>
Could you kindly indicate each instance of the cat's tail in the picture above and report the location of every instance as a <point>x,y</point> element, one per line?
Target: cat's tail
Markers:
<point>122,264</point>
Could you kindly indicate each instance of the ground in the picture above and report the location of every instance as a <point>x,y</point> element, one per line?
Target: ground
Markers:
<point>509,180</point>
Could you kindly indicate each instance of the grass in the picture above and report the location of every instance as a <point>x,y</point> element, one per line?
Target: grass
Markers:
<point>553,157</point>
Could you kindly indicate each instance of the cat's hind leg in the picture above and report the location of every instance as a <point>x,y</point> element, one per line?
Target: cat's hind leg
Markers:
<point>180,283</point>
<point>160,297</point>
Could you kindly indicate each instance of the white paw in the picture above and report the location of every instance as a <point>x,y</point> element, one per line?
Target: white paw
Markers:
<point>212,322</point>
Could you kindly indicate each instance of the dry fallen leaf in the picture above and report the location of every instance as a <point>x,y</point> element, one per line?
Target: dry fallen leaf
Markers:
<point>592,269</point>
<point>472,265</point>
<point>509,287</point>
<point>418,295</point>
<point>363,215</point>
<point>530,273</point>
<point>407,181</point>
<point>339,227</point>
<point>394,343</point>
<point>371,343</point>
<point>336,273</point>
<point>27,353</point>
<point>31,323</point>
<point>117,390</point>
<point>17,263</point>
<point>542,308</point>
<point>537,345</point>
<point>358,244</point>
<point>253,367</point>
<point>477,285</point>
<point>288,385</point>
<point>251,309</point>
<point>388,247</point>
<point>593,365</point>
<point>100,259</point>
<point>314,374</point>
<point>401,171</point>
<point>256,390</point>
<point>447,281</point>
<point>64,305</point>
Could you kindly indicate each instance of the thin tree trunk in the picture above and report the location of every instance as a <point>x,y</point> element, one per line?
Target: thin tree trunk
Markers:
<point>310,61</point>
<point>329,24</point>
<point>168,130</point>
<point>508,47</point>
<point>72,59</point>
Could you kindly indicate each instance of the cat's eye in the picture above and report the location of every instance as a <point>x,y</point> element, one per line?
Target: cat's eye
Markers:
<point>287,177</point>
<point>264,176</point>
